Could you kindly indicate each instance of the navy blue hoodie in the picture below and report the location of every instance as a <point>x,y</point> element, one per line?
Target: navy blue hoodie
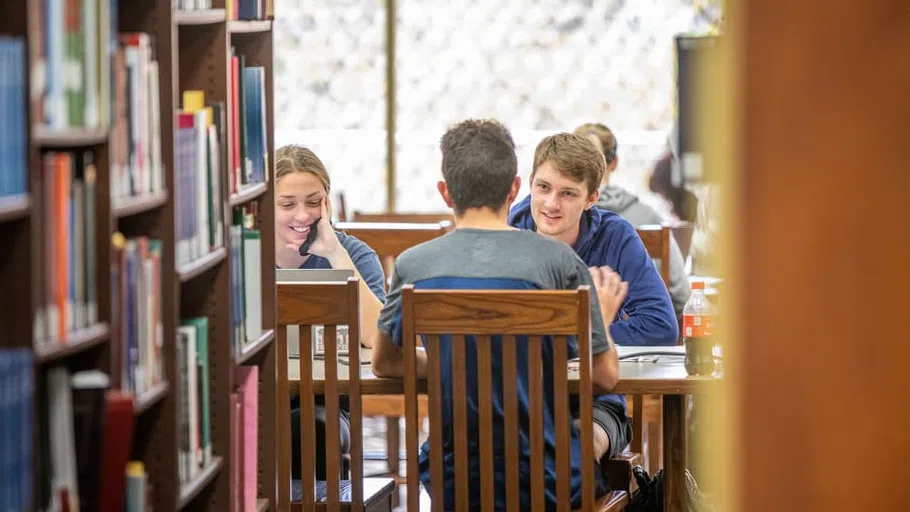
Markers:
<point>646,317</point>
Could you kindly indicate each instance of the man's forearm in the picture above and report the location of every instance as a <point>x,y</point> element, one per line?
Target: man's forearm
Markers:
<point>388,358</point>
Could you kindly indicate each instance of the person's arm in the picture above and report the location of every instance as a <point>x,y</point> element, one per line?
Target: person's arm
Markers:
<point>605,286</point>
<point>647,316</point>
<point>387,359</point>
<point>369,303</point>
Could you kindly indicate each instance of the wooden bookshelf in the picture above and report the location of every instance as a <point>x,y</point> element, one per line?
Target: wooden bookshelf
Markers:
<point>201,265</point>
<point>150,398</point>
<point>239,26</point>
<point>201,17</point>
<point>14,207</point>
<point>248,193</point>
<point>73,138</point>
<point>78,341</point>
<point>193,51</point>
<point>139,204</point>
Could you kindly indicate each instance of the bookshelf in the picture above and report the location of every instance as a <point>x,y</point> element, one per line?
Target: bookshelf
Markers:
<point>193,51</point>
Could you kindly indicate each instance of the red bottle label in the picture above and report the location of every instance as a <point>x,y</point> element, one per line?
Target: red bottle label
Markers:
<point>697,326</point>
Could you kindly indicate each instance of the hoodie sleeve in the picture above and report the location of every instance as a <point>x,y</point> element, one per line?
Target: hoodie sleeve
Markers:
<point>646,317</point>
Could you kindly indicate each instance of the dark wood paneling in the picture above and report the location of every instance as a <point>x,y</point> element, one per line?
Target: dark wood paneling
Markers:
<point>824,245</point>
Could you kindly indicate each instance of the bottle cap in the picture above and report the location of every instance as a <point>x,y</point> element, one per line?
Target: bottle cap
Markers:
<point>698,285</point>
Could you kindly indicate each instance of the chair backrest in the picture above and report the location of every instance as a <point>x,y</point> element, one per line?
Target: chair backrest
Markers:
<point>498,313</point>
<point>329,304</point>
<point>657,242</point>
<point>389,239</point>
<point>404,217</point>
<point>682,233</point>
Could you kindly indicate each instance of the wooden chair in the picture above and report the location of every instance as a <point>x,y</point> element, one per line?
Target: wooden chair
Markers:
<point>389,240</point>
<point>682,233</point>
<point>484,313</point>
<point>330,305</point>
<point>647,412</point>
<point>404,217</point>
<point>657,242</point>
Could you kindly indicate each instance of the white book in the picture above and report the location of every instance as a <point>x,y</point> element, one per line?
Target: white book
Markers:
<point>252,279</point>
<point>61,438</point>
<point>192,380</point>
<point>202,174</point>
<point>157,170</point>
<point>90,82</point>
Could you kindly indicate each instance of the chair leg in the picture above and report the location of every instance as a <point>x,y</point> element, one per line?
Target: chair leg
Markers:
<point>393,444</point>
<point>655,440</point>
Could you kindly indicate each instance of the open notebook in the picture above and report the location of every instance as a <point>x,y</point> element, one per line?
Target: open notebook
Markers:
<point>314,276</point>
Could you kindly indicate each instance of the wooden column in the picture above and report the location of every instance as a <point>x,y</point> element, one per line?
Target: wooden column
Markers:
<point>820,205</point>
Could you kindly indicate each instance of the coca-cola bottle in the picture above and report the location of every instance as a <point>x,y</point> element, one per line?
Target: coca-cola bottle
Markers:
<point>698,318</point>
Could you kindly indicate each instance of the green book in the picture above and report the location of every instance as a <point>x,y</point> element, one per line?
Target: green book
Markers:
<point>202,360</point>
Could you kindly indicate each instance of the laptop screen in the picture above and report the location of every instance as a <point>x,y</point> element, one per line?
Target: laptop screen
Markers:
<point>304,275</point>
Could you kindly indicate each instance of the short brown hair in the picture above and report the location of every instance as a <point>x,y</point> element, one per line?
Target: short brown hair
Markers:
<point>606,137</point>
<point>572,155</point>
<point>479,164</point>
<point>294,158</point>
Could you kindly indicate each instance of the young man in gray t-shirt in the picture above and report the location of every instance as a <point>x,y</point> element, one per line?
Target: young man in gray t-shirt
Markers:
<point>480,170</point>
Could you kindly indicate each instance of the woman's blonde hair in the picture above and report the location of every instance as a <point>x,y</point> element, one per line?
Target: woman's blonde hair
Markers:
<point>604,135</point>
<point>293,158</point>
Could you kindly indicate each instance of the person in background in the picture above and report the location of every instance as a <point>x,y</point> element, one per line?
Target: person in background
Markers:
<point>479,170</point>
<point>565,177</point>
<point>616,199</point>
<point>302,188</point>
<point>683,202</point>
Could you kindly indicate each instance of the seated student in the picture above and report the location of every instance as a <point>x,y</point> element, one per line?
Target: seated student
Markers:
<point>302,188</point>
<point>479,168</point>
<point>564,180</point>
<point>616,199</point>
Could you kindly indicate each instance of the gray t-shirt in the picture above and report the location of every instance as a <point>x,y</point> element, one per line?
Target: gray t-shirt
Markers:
<point>480,258</point>
<point>489,259</point>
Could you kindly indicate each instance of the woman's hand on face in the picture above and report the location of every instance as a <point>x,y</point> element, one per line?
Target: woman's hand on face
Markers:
<point>326,243</point>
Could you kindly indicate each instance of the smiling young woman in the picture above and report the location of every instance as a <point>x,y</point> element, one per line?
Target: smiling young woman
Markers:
<point>302,203</point>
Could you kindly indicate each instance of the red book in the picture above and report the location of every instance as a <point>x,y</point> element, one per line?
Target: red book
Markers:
<point>118,441</point>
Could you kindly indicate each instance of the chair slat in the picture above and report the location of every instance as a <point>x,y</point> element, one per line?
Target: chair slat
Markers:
<point>510,411</point>
<point>434,388</point>
<point>458,311</point>
<point>307,408</point>
<point>356,414</point>
<point>283,427</point>
<point>410,407</point>
<point>332,437</point>
<point>535,420</point>
<point>563,421</point>
<point>485,421</point>
<point>460,414</point>
<point>586,404</point>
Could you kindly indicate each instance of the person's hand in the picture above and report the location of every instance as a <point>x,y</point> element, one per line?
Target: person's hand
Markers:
<point>611,291</point>
<point>326,243</point>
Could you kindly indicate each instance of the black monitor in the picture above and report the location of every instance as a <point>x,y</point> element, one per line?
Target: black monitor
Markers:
<point>693,52</point>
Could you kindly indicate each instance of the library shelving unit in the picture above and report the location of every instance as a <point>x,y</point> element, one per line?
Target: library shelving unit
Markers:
<point>193,51</point>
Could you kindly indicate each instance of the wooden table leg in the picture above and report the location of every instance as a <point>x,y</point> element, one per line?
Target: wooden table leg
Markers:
<point>393,445</point>
<point>675,450</point>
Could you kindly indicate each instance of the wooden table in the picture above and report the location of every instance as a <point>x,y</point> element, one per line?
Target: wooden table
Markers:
<point>667,377</point>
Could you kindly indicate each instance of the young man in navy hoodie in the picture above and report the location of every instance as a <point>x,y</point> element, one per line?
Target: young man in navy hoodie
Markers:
<point>564,189</point>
